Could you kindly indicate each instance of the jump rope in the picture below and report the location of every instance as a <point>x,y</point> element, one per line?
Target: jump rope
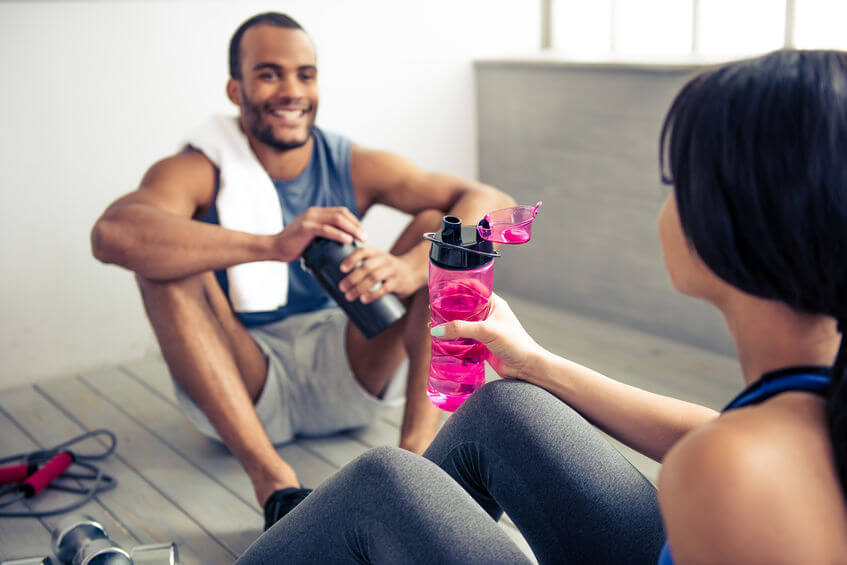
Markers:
<point>33,472</point>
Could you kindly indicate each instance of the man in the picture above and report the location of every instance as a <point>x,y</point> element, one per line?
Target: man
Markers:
<point>245,385</point>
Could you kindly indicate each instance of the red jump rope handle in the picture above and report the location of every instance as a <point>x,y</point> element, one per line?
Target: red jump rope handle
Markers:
<point>16,473</point>
<point>44,476</point>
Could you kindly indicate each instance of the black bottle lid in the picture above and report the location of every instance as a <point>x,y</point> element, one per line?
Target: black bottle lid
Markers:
<point>459,247</point>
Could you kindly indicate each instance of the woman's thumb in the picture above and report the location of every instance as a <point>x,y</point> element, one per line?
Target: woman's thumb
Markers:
<point>457,329</point>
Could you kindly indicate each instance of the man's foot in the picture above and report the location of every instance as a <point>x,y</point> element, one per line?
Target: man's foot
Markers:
<point>270,477</point>
<point>281,502</point>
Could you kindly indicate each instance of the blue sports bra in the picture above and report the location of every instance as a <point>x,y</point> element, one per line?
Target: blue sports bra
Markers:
<point>811,379</point>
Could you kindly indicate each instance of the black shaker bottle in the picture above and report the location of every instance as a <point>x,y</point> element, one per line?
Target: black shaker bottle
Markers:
<point>322,258</point>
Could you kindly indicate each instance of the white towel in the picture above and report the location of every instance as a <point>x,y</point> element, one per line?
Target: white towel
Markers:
<point>247,201</point>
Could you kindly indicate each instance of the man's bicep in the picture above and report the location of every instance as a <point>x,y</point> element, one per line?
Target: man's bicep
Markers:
<point>381,177</point>
<point>182,184</point>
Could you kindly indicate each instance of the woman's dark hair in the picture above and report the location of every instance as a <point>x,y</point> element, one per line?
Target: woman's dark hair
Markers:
<point>756,151</point>
<point>267,18</point>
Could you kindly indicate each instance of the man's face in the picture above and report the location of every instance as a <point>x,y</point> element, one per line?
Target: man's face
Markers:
<point>279,86</point>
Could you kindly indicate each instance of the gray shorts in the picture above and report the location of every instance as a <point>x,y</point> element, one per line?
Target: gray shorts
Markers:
<point>310,388</point>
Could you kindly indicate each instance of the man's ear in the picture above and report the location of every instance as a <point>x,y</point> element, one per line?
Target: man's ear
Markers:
<point>233,91</point>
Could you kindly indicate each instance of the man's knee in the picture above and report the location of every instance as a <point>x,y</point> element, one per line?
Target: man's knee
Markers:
<point>424,221</point>
<point>187,287</point>
<point>429,219</point>
<point>415,330</point>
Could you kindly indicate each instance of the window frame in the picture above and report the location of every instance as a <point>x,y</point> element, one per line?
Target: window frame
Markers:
<point>547,42</point>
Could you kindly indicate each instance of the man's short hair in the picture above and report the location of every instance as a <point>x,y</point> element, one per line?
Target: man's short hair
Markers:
<point>267,18</point>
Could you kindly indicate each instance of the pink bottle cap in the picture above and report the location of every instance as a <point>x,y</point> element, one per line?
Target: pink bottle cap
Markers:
<point>511,226</point>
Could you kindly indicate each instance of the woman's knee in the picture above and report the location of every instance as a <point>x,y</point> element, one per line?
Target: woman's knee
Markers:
<point>500,398</point>
<point>511,405</point>
<point>384,467</point>
<point>501,393</point>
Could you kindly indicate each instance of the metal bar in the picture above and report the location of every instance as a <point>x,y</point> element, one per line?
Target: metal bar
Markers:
<point>790,6</point>
<point>613,39</point>
<point>546,25</point>
<point>695,27</point>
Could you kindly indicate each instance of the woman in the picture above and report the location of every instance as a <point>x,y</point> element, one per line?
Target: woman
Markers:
<point>756,152</point>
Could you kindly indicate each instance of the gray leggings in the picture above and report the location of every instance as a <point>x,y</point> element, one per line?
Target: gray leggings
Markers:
<point>511,447</point>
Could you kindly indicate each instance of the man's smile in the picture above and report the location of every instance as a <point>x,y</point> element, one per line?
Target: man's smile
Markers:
<point>289,116</point>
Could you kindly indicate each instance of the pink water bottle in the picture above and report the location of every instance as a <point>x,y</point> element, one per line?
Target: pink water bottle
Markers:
<point>461,279</point>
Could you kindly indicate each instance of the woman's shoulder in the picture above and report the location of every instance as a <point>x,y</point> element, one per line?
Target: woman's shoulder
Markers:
<point>758,484</point>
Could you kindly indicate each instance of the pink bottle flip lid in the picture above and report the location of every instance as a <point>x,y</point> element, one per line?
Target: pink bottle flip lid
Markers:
<point>511,226</point>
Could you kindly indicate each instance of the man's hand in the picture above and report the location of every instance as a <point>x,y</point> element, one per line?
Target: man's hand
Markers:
<point>375,273</point>
<point>336,223</point>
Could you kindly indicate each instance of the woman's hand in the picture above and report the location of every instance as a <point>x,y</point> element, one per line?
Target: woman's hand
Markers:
<point>511,349</point>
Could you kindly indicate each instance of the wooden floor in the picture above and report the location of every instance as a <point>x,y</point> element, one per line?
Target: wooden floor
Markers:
<point>174,485</point>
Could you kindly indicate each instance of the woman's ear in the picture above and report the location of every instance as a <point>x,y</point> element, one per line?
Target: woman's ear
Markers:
<point>233,91</point>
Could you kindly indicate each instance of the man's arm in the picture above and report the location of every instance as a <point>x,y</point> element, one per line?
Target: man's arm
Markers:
<point>385,178</point>
<point>151,231</point>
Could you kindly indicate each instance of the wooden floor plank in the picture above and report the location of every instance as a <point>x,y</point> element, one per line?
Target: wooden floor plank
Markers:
<point>338,449</point>
<point>394,416</point>
<point>153,372</point>
<point>380,433</point>
<point>141,508</point>
<point>19,401</point>
<point>215,509</point>
<point>311,469</point>
<point>161,418</point>
<point>149,514</point>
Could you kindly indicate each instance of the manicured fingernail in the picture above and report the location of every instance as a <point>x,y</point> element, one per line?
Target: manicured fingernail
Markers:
<point>437,331</point>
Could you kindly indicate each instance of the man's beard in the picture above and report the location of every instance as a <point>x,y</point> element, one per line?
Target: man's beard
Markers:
<point>264,132</point>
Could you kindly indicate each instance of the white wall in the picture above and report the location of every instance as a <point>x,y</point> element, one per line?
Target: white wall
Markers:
<point>93,92</point>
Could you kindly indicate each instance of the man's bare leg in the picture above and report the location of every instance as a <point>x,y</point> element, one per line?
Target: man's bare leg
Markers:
<point>374,362</point>
<point>216,361</point>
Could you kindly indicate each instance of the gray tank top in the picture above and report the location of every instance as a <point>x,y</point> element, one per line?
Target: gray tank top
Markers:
<point>326,181</point>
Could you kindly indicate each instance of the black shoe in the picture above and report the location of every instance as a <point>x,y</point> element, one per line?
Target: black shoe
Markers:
<point>281,502</point>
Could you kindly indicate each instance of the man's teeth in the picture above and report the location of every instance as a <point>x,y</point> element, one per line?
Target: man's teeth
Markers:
<point>289,114</point>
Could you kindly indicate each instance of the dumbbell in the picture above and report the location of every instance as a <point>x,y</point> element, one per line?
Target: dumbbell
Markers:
<point>154,554</point>
<point>81,540</point>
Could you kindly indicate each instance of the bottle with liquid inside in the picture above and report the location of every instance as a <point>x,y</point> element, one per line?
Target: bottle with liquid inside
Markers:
<point>461,280</point>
